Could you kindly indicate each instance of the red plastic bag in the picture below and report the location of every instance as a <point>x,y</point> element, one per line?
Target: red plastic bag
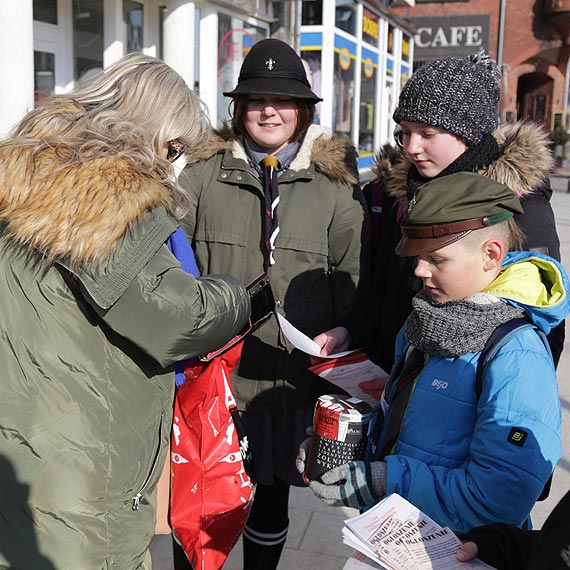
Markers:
<point>211,493</point>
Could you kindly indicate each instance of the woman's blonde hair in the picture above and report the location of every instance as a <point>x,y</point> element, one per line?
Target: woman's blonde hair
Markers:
<point>131,110</point>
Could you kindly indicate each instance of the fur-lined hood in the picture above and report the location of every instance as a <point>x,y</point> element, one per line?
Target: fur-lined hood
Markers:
<point>333,156</point>
<point>525,161</point>
<point>384,161</point>
<point>72,213</point>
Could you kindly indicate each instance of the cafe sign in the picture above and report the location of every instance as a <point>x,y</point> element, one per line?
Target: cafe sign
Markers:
<point>450,35</point>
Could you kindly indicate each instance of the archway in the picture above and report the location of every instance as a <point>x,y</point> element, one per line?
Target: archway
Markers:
<point>534,98</point>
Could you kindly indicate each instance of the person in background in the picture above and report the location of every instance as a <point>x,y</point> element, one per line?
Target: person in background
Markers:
<point>466,448</point>
<point>302,221</point>
<point>507,547</point>
<point>96,310</point>
<point>379,202</point>
<point>447,119</point>
<point>380,205</point>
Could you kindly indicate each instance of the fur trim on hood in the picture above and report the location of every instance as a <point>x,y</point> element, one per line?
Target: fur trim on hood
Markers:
<point>525,161</point>
<point>384,160</point>
<point>72,213</point>
<point>333,156</point>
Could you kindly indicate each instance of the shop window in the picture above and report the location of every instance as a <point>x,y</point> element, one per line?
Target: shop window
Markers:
<point>405,48</point>
<point>312,14</point>
<point>390,46</point>
<point>44,76</point>
<point>388,109</point>
<point>235,39</point>
<point>345,18</point>
<point>313,60</point>
<point>367,102</point>
<point>45,11</point>
<point>87,37</point>
<point>540,107</point>
<point>133,17</point>
<point>343,92</point>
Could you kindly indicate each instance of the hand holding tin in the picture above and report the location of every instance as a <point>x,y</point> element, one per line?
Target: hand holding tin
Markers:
<point>357,484</point>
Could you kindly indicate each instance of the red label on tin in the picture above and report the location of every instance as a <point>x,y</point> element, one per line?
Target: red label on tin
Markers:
<point>339,434</point>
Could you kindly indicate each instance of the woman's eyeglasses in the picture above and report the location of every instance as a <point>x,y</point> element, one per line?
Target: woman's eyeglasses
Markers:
<point>399,136</point>
<point>175,150</point>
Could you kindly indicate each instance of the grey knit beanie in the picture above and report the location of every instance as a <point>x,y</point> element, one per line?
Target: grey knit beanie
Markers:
<point>458,94</point>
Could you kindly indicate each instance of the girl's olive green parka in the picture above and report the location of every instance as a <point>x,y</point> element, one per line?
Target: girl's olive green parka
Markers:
<point>321,268</point>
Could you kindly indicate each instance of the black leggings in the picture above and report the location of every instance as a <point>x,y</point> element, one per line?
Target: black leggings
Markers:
<point>266,529</point>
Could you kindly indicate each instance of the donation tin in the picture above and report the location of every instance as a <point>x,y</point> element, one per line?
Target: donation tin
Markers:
<point>340,426</point>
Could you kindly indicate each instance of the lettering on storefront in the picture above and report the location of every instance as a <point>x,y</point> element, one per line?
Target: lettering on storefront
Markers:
<point>368,67</point>
<point>450,35</point>
<point>344,59</point>
<point>370,27</point>
<point>232,49</point>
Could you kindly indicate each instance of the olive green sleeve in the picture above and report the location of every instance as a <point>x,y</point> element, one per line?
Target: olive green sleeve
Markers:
<point>142,293</point>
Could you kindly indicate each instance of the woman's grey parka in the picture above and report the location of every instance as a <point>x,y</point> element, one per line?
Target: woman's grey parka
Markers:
<point>95,311</point>
<point>321,268</point>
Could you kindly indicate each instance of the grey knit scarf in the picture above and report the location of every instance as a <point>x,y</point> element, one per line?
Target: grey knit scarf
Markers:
<point>456,327</point>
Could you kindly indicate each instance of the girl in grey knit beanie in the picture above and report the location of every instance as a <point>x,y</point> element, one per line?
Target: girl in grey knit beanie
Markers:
<point>458,94</point>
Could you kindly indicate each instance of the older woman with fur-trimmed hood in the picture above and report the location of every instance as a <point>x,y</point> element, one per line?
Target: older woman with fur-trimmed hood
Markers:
<point>96,310</point>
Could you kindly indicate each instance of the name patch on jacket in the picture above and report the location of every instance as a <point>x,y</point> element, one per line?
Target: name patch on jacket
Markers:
<point>517,436</point>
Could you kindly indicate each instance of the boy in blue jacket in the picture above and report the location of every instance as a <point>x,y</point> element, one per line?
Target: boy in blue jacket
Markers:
<point>464,455</point>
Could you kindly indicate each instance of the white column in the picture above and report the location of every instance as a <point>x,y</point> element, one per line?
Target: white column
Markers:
<point>178,38</point>
<point>209,85</point>
<point>113,31</point>
<point>16,62</point>
<point>327,65</point>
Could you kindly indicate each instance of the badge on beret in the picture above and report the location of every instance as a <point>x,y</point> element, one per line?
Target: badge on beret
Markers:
<point>270,63</point>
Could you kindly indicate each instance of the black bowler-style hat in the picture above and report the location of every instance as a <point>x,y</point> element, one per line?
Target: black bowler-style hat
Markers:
<point>273,68</point>
<point>447,209</point>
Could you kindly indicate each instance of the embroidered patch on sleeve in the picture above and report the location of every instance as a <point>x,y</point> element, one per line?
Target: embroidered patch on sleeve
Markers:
<point>517,436</point>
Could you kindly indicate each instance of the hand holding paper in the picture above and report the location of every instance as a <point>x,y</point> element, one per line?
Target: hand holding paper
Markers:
<point>332,341</point>
<point>303,342</point>
<point>346,369</point>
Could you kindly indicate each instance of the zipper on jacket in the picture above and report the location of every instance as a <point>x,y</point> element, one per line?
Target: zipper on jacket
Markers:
<point>137,498</point>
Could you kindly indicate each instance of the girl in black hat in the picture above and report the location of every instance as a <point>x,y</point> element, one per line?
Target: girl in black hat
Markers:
<point>277,194</point>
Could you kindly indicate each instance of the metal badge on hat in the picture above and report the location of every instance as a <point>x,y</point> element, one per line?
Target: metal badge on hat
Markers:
<point>270,63</point>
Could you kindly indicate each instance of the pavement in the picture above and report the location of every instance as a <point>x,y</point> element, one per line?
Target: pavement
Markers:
<point>315,541</point>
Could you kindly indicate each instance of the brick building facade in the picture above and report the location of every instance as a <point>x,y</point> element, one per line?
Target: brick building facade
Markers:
<point>528,38</point>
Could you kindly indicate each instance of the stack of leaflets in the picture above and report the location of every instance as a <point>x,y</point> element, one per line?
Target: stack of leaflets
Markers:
<point>397,536</point>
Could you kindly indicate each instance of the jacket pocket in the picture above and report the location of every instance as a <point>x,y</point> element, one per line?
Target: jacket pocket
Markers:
<point>221,235</point>
<point>303,244</point>
<point>153,471</point>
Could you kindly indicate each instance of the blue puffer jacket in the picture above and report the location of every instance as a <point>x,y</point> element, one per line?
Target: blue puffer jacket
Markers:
<point>455,458</point>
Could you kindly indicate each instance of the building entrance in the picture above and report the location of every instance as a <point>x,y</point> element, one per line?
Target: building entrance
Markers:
<point>534,98</point>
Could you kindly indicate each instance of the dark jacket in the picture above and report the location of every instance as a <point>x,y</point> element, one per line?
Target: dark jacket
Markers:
<point>507,547</point>
<point>524,165</point>
<point>95,311</point>
<point>321,257</point>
